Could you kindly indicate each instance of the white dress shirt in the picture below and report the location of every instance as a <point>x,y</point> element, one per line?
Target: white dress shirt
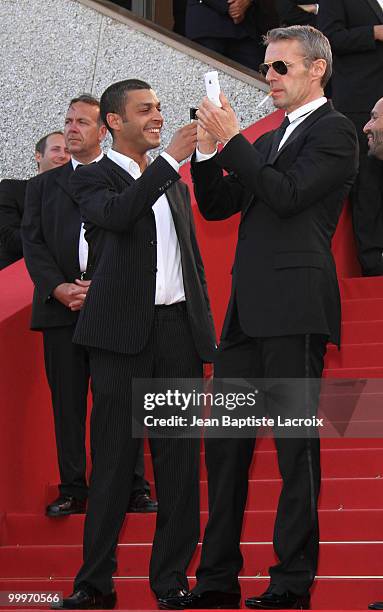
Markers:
<point>381,3</point>
<point>169,279</point>
<point>299,115</point>
<point>295,117</point>
<point>82,243</point>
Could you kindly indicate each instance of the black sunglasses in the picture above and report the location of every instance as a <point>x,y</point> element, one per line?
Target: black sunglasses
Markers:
<point>280,66</point>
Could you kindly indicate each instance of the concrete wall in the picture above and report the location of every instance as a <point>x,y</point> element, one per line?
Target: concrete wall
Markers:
<point>53,50</point>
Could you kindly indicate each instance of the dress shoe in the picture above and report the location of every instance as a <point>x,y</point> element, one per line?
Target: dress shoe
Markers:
<point>183,600</point>
<point>173,600</point>
<point>273,601</point>
<point>64,505</point>
<point>376,605</point>
<point>87,598</point>
<point>141,502</point>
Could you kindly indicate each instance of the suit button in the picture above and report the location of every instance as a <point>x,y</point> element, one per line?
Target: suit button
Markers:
<point>153,242</point>
<point>154,270</point>
<point>241,234</point>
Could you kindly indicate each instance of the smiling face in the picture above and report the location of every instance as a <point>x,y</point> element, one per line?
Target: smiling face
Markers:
<point>374,131</point>
<point>301,84</point>
<point>55,153</point>
<point>83,132</point>
<point>139,128</point>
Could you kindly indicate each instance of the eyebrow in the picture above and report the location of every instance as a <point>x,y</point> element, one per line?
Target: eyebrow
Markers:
<point>148,104</point>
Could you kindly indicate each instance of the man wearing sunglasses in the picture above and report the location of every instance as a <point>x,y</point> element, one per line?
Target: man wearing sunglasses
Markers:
<point>289,187</point>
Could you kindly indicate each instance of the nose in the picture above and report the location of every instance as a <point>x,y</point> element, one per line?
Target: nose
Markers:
<point>158,115</point>
<point>271,75</point>
<point>367,127</point>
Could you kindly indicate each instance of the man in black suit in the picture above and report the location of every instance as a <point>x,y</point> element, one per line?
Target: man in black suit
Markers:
<point>50,152</point>
<point>56,255</point>
<point>230,28</point>
<point>355,31</point>
<point>146,315</point>
<point>289,187</point>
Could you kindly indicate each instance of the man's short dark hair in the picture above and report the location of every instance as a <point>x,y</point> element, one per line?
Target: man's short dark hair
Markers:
<point>41,144</point>
<point>113,100</point>
<point>87,98</point>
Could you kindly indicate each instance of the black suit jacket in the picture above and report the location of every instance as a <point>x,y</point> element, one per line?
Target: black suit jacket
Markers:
<point>210,18</point>
<point>284,276</point>
<point>121,231</point>
<point>290,14</point>
<point>12,195</point>
<point>50,231</point>
<point>358,59</point>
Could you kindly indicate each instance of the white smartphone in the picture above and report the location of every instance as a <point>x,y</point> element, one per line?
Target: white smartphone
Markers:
<point>213,88</point>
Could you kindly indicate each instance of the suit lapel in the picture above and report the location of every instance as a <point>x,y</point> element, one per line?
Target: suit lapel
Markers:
<point>302,127</point>
<point>116,169</point>
<point>63,178</point>
<point>174,203</point>
<point>374,4</point>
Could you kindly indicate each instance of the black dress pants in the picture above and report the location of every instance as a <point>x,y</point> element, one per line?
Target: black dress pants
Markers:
<point>67,369</point>
<point>296,535</point>
<point>170,352</point>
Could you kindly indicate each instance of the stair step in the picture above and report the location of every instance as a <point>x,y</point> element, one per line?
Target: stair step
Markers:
<point>364,309</point>
<point>362,332</point>
<point>335,493</point>
<point>327,594</point>
<point>35,529</point>
<point>361,372</point>
<point>355,355</point>
<point>361,288</point>
<point>63,561</point>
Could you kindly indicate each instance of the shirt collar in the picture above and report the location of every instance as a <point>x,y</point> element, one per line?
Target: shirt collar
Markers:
<point>75,162</point>
<point>306,109</point>
<point>127,163</point>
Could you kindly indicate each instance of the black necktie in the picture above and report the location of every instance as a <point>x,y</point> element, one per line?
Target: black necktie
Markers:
<point>278,135</point>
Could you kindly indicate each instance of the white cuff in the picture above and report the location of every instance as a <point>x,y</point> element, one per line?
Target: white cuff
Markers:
<point>173,162</point>
<point>199,157</point>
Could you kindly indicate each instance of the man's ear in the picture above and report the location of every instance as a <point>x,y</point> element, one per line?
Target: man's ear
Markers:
<point>102,132</point>
<point>114,121</point>
<point>38,157</point>
<point>319,68</point>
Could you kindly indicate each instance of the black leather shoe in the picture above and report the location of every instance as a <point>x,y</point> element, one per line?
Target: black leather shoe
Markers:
<point>64,505</point>
<point>173,600</point>
<point>273,601</point>
<point>87,599</point>
<point>141,502</point>
<point>376,605</point>
<point>183,600</point>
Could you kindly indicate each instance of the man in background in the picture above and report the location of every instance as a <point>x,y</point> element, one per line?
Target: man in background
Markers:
<point>56,255</point>
<point>50,152</point>
<point>355,32</point>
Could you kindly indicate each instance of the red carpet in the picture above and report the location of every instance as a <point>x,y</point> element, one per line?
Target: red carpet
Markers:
<point>40,554</point>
